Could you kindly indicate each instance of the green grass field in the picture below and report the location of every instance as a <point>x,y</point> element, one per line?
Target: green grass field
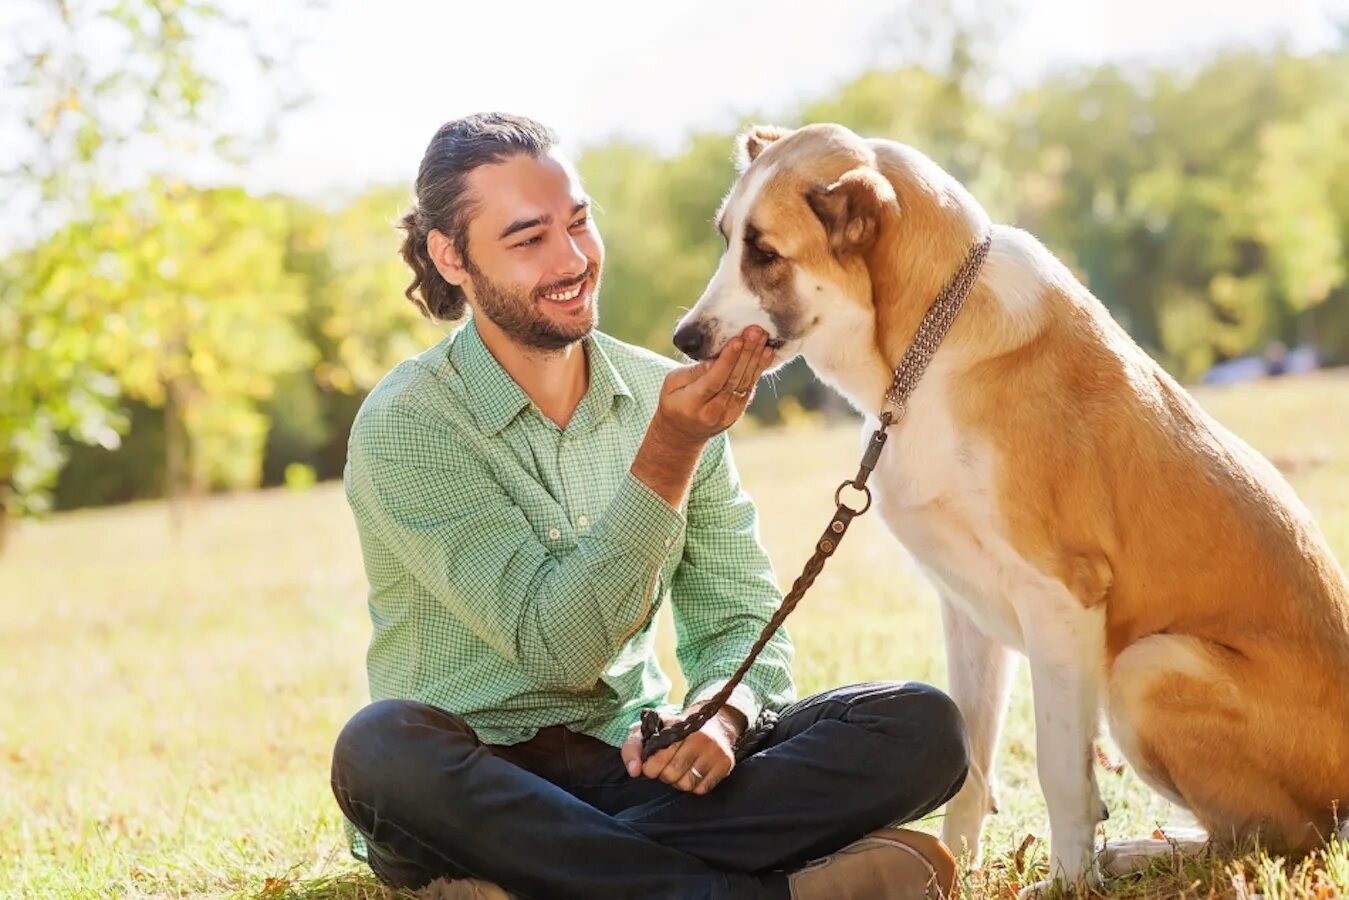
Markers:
<point>170,703</point>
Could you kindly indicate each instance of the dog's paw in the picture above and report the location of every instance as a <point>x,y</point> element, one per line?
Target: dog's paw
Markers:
<point>1040,890</point>
<point>1123,857</point>
<point>1056,889</point>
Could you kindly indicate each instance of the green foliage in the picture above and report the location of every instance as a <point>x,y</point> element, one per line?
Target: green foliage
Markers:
<point>1200,206</point>
<point>353,279</point>
<point>1204,207</point>
<point>64,300</point>
<point>300,477</point>
<point>213,321</point>
<point>1204,204</point>
<point>656,216</point>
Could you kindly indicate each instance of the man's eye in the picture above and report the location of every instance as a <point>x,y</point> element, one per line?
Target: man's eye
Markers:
<point>529,242</point>
<point>584,220</point>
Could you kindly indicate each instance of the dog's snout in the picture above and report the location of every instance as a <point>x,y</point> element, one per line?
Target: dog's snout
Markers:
<point>693,339</point>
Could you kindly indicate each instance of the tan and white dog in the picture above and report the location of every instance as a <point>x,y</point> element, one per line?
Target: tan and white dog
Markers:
<point>1068,499</point>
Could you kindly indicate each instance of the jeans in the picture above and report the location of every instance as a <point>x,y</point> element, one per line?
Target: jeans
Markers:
<point>559,816</point>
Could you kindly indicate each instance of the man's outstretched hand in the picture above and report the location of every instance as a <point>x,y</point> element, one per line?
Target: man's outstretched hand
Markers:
<point>698,402</point>
<point>710,750</point>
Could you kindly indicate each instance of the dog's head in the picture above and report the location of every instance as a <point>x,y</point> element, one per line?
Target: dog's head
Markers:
<point>805,224</point>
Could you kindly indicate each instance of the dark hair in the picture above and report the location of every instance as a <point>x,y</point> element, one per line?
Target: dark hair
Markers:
<point>443,201</point>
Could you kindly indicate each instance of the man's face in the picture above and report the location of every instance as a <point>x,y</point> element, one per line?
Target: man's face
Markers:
<point>534,256</point>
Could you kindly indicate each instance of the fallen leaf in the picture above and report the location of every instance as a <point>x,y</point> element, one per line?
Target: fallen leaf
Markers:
<point>1019,858</point>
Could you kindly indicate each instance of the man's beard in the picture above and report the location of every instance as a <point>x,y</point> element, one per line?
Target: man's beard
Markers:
<point>514,311</point>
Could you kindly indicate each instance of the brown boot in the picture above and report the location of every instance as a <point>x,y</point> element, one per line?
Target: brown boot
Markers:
<point>890,864</point>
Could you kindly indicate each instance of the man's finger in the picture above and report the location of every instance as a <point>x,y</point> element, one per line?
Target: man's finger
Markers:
<point>631,753</point>
<point>676,771</point>
<point>756,361</point>
<point>715,378</point>
<point>745,364</point>
<point>683,376</point>
<point>734,403</point>
<point>714,767</point>
<point>657,762</point>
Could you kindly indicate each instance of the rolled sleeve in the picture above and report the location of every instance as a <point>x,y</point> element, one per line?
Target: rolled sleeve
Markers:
<point>642,522</point>
<point>743,698</point>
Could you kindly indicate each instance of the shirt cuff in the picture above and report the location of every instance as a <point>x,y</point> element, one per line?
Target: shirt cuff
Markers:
<point>742,699</point>
<point>640,518</point>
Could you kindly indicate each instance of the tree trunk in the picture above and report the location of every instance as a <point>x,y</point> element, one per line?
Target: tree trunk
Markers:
<point>6,491</point>
<point>175,455</point>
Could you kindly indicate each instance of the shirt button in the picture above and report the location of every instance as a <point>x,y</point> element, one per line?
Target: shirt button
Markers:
<point>669,542</point>
<point>554,533</point>
<point>582,521</point>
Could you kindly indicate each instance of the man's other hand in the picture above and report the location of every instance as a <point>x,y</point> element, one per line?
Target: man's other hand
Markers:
<point>709,752</point>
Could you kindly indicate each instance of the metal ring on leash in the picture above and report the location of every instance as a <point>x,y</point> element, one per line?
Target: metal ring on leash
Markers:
<point>838,494</point>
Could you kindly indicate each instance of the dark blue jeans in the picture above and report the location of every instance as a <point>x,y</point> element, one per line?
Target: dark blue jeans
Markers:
<point>559,816</point>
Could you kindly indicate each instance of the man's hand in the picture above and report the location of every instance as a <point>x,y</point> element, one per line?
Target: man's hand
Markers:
<point>702,400</point>
<point>711,751</point>
<point>696,403</point>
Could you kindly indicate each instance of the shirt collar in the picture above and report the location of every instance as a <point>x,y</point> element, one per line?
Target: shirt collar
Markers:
<point>496,399</point>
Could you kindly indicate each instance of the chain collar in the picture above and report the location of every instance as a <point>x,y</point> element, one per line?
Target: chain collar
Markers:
<point>936,323</point>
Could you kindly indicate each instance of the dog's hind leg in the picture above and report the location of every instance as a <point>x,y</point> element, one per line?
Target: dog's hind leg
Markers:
<point>1185,714</point>
<point>979,673</point>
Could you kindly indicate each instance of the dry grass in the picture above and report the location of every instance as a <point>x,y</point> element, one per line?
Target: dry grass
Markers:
<point>171,703</point>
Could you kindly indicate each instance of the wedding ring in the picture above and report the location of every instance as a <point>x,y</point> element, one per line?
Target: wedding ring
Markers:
<point>697,776</point>
<point>740,393</point>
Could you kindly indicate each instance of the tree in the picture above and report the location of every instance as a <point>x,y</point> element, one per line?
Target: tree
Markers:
<point>356,317</point>
<point>105,87</point>
<point>200,293</point>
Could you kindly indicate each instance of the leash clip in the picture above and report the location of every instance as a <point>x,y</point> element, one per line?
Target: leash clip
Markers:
<point>870,457</point>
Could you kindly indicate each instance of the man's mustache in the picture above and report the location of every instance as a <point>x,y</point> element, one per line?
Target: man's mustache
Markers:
<point>567,283</point>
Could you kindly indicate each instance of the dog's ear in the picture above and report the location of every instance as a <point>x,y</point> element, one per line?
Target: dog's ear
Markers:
<point>752,142</point>
<point>850,207</point>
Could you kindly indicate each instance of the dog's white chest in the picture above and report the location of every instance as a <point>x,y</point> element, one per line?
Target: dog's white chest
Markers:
<point>935,490</point>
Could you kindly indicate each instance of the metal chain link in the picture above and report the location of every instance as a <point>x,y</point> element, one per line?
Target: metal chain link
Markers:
<point>936,323</point>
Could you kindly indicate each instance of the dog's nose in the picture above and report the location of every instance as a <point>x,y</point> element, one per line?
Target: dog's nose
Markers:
<point>692,340</point>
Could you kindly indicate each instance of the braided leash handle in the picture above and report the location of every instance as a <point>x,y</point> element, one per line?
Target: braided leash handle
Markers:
<point>655,736</point>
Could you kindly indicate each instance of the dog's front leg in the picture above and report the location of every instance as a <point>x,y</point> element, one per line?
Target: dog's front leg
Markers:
<point>1065,644</point>
<point>979,672</point>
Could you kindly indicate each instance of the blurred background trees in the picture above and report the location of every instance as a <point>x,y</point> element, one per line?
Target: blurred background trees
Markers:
<point>163,336</point>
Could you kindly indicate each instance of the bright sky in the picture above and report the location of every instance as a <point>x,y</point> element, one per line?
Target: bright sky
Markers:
<point>386,75</point>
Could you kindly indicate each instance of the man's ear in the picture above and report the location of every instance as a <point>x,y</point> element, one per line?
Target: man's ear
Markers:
<point>850,209</point>
<point>752,142</point>
<point>448,261</point>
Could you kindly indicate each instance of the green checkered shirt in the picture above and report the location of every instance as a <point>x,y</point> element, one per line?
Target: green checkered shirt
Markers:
<point>515,568</point>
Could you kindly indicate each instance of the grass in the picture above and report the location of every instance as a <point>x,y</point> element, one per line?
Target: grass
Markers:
<point>170,703</point>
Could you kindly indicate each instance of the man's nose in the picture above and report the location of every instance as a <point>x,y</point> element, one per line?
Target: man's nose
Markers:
<point>693,339</point>
<point>571,261</point>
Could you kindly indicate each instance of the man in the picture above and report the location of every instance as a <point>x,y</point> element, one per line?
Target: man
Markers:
<point>528,492</point>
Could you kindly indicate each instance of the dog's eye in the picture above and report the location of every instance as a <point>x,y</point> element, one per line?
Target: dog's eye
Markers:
<point>760,255</point>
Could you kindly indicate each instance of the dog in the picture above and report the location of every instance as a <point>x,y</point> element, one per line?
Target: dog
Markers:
<point>1067,498</point>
